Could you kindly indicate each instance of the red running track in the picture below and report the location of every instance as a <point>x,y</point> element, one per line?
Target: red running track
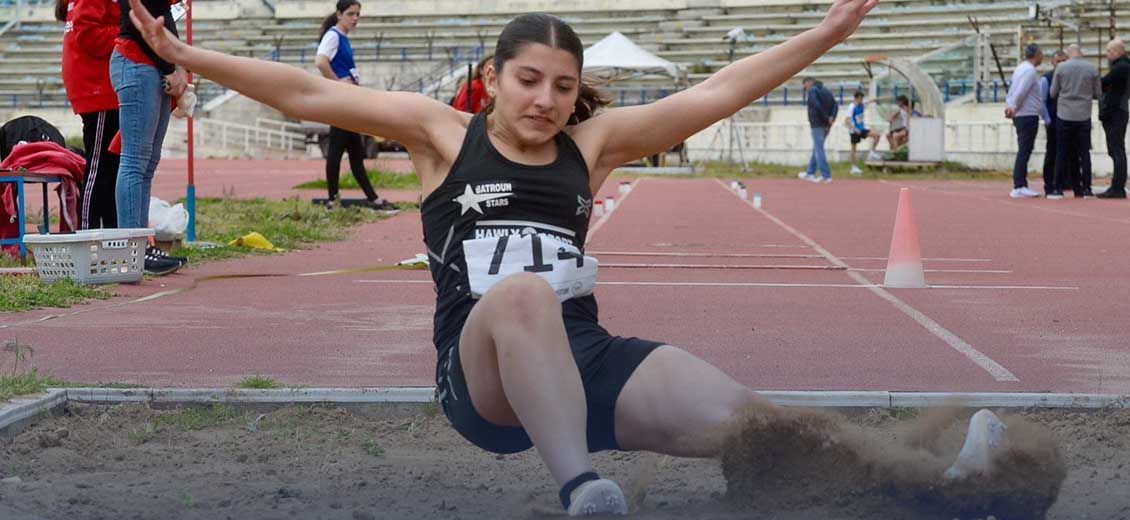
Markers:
<point>1025,296</point>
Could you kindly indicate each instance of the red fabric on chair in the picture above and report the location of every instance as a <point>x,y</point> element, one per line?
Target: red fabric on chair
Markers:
<point>47,158</point>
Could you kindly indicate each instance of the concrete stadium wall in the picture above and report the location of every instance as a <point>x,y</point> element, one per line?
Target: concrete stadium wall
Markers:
<point>986,139</point>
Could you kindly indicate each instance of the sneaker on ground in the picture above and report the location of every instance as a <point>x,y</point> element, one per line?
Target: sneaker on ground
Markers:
<point>598,497</point>
<point>1019,193</point>
<point>987,436</point>
<point>383,206</point>
<point>823,180</point>
<point>160,266</point>
<point>1028,192</point>
<point>855,170</point>
<point>1111,194</point>
<point>804,176</point>
<point>156,252</point>
<point>1055,195</point>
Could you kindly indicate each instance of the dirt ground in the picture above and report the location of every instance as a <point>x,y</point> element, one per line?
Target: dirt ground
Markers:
<point>133,461</point>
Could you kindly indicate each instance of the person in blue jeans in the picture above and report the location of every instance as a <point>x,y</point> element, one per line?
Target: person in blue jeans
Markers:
<point>822,110</point>
<point>146,86</point>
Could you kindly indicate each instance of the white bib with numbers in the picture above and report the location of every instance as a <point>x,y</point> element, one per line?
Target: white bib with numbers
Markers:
<point>490,260</point>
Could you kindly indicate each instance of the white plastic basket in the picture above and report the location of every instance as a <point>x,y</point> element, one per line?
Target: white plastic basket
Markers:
<point>92,256</point>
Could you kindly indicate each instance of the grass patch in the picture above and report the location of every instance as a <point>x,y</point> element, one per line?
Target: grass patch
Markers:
<point>184,420</point>
<point>11,261</point>
<point>27,383</point>
<point>380,180</point>
<point>24,293</point>
<point>258,382</point>
<point>288,224</point>
<point>373,448</point>
<point>198,418</point>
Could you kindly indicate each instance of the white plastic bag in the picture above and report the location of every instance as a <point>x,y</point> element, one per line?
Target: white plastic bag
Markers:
<point>169,222</point>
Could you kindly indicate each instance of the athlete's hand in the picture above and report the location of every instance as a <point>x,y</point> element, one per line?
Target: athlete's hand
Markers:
<point>153,30</point>
<point>844,17</point>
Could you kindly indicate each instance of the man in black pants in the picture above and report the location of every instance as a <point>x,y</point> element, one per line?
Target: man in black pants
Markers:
<point>1049,122</point>
<point>1113,113</point>
<point>1075,84</point>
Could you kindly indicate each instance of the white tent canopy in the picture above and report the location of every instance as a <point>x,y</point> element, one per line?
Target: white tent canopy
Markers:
<point>616,56</point>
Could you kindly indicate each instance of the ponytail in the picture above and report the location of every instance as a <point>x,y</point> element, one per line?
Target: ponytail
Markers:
<point>330,21</point>
<point>61,9</point>
<point>589,101</point>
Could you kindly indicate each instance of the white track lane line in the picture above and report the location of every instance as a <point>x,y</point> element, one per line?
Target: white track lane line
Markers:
<point>998,371</point>
<point>777,285</point>
<point>608,214</point>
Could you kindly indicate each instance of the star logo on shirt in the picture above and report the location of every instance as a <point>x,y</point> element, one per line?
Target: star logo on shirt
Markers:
<point>584,206</point>
<point>470,200</point>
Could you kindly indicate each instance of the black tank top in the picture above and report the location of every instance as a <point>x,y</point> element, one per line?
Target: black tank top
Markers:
<point>487,195</point>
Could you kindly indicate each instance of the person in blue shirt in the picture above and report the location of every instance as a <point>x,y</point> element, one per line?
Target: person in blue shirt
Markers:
<point>857,126</point>
<point>335,61</point>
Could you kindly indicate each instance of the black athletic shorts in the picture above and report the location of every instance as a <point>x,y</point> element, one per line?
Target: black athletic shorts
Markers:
<point>859,135</point>
<point>605,363</point>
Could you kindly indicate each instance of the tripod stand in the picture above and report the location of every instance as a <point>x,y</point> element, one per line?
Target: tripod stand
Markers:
<point>734,137</point>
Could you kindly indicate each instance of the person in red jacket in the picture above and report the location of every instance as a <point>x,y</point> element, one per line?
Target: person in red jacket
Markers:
<point>88,40</point>
<point>478,91</point>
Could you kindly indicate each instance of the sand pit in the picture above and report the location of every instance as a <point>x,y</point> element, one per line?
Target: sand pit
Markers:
<point>328,462</point>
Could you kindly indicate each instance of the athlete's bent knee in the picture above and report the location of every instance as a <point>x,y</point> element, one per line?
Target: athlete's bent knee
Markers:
<point>525,297</point>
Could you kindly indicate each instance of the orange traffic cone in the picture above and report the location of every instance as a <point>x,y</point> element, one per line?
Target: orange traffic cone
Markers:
<point>904,262</point>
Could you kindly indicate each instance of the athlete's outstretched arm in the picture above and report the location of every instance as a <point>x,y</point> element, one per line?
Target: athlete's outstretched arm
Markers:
<point>632,132</point>
<point>403,116</point>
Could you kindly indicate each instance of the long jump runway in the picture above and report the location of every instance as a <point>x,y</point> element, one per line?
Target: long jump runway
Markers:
<point>1025,296</point>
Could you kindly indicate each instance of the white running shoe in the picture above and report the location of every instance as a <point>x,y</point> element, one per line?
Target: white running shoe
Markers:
<point>804,176</point>
<point>874,156</point>
<point>1022,193</point>
<point>598,497</point>
<point>1028,192</point>
<point>987,436</point>
<point>823,180</point>
<point>855,170</point>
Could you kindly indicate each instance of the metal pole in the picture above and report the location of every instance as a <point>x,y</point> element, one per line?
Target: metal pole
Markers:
<point>191,195</point>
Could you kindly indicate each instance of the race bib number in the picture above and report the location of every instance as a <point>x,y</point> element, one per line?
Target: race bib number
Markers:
<point>491,260</point>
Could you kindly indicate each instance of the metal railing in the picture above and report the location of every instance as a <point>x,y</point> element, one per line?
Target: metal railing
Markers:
<point>216,137</point>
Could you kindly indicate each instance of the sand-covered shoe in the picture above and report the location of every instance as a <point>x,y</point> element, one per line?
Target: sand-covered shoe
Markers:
<point>598,497</point>
<point>987,436</point>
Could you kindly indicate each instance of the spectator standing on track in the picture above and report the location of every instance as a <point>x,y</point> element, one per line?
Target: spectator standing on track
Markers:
<point>1023,107</point>
<point>1075,84</point>
<point>822,109</point>
<point>146,86</point>
<point>1113,112</point>
<point>88,40</point>
<point>1048,114</point>
<point>335,61</point>
<point>857,126</point>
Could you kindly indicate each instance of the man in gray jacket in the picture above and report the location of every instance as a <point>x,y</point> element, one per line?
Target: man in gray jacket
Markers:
<point>1075,84</point>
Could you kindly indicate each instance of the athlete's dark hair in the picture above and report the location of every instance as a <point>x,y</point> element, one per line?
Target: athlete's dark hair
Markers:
<point>331,20</point>
<point>552,31</point>
<point>61,9</point>
<point>858,94</point>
